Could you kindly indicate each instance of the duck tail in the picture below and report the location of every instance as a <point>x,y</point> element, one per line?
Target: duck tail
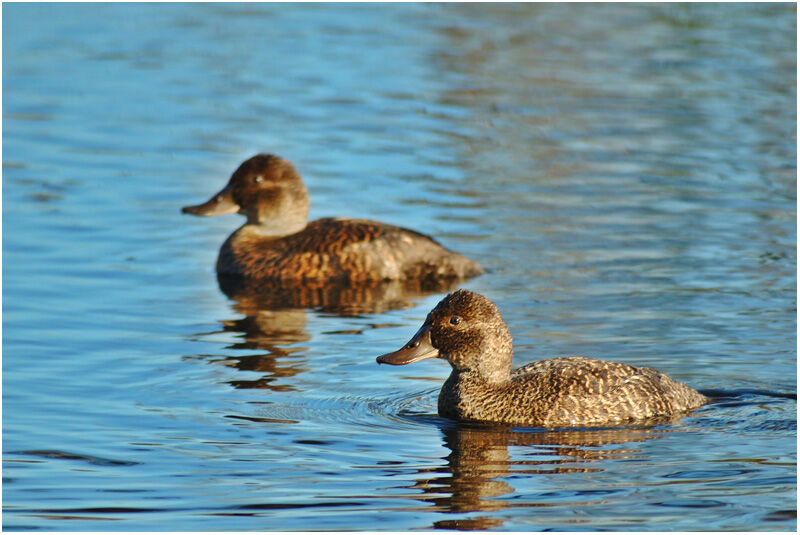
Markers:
<point>685,398</point>
<point>466,268</point>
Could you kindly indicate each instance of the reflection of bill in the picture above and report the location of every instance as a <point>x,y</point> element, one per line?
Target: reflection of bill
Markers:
<point>479,465</point>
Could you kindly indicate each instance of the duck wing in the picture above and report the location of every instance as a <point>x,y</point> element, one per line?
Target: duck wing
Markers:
<point>359,249</point>
<point>584,391</point>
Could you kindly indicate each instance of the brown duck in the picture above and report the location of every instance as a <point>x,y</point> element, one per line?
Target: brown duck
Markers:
<point>278,242</point>
<point>467,330</point>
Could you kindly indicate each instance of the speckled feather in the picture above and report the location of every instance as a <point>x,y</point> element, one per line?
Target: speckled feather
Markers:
<point>568,391</point>
<point>343,249</point>
<point>468,331</point>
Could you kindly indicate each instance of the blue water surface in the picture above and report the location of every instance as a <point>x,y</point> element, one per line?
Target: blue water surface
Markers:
<point>625,173</point>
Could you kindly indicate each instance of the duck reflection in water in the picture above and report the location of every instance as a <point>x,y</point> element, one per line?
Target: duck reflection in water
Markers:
<point>480,467</point>
<point>279,333</point>
<point>275,319</point>
<point>341,298</point>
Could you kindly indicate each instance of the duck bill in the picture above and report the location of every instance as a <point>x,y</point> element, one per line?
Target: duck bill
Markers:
<point>221,203</point>
<point>418,348</point>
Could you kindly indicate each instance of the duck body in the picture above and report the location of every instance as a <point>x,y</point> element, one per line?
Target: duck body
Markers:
<point>347,250</point>
<point>467,330</point>
<point>279,243</point>
<point>568,392</point>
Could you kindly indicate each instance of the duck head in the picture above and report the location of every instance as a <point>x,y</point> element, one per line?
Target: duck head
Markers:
<point>466,330</point>
<point>266,189</point>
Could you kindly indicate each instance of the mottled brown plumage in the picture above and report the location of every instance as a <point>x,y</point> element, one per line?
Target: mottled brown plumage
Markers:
<point>467,330</point>
<point>278,243</point>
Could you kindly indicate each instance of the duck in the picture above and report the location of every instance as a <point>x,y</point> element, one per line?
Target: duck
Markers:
<point>278,242</point>
<point>467,330</point>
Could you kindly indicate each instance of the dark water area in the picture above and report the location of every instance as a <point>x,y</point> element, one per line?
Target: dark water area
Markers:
<point>625,173</point>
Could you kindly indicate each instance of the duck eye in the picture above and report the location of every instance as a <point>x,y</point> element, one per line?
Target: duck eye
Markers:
<point>455,320</point>
<point>258,178</point>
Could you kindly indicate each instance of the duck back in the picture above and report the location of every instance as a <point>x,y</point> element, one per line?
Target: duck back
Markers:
<point>351,250</point>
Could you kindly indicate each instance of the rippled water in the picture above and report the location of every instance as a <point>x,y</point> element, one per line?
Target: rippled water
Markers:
<point>625,173</point>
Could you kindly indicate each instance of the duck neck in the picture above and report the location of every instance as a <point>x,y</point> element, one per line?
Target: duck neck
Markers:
<point>486,372</point>
<point>273,227</point>
<point>281,214</point>
<point>498,351</point>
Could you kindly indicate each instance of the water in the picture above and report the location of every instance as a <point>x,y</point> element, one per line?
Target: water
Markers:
<point>626,175</point>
